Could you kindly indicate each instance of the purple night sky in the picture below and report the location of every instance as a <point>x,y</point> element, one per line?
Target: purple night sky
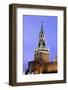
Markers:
<point>32,27</point>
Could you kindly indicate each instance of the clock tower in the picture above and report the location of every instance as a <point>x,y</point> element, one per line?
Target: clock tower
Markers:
<point>42,52</point>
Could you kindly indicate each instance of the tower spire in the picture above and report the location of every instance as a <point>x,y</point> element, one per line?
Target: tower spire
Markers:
<point>41,43</point>
<point>42,26</point>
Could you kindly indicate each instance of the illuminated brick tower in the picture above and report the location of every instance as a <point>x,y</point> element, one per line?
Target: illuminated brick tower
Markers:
<point>42,53</point>
<point>41,62</point>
